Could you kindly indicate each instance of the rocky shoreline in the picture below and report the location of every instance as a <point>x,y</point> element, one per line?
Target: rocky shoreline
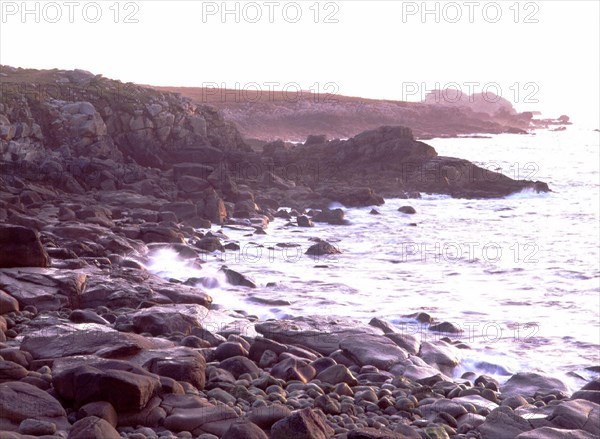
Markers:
<point>96,346</point>
<point>93,345</point>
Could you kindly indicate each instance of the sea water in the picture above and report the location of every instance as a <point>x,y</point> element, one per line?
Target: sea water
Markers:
<point>518,275</point>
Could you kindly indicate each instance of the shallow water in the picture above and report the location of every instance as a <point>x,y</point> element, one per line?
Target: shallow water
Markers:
<point>519,275</point>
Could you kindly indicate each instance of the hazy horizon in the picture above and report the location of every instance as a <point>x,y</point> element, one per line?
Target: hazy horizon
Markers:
<point>541,56</point>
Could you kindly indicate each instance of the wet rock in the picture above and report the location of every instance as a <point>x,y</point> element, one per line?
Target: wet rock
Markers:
<point>514,401</point>
<point>302,424</point>
<point>181,364</point>
<point>67,339</point>
<point>530,384</point>
<point>21,247</point>
<point>372,433</point>
<point>239,365</point>
<point>262,344</point>
<point>589,395</point>
<point>229,349</point>
<point>20,401</point>
<point>441,355</point>
<point>152,415</point>
<point>46,288</point>
<point>100,409</point>
<point>244,430</point>
<point>210,244</point>
<point>555,433</point>
<point>319,333</point>
<point>266,416</point>
<point>194,419</point>
<point>503,423</point>
<point>97,381</point>
<point>155,233</point>
<point>161,320</point>
<point>93,427</point>
<point>235,278</point>
<point>454,409</point>
<point>322,248</point>
<point>408,342</point>
<point>334,217</point>
<point>86,316</point>
<point>337,374</point>
<point>8,303</point>
<point>408,210</point>
<point>577,414</point>
<point>293,369</point>
<point>386,327</point>
<point>10,371</point>
<point>375,350</point>
<point>446,327</point>
<point>35,427</point>
<point>304,221</point>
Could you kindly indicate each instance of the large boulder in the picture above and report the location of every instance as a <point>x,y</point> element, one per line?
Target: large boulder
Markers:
<point>503,423</point>
<point>47,289</point>
<point>97,381</point>
<point>556,433</point>
<point>57,339</point>
<point>20,401</point>
<point>93,427</point>
<point>21,247</point>
<point>577,414</point>
<point>320,333</point>
<point>302,424</point>
<point>163,320</point>
<point>374,350</point>
<point>532,384</point>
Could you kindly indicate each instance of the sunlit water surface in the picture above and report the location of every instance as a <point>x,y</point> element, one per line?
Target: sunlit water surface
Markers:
<point>519,275</point>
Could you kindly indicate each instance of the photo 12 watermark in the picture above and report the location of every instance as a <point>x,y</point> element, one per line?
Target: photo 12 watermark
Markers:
<point>470,12</point>
<point>62,12</point>
<point>456,252</point>
<point>325,12</point>
<point>454,92</point>
<point>269,91</point>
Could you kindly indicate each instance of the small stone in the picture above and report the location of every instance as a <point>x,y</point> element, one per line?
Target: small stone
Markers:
<point>36,427</point>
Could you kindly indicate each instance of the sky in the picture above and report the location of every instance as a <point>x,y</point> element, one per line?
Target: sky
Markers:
<point>540,55</point>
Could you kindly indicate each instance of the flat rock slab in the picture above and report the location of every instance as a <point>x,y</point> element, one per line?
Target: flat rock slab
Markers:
<point>195,418</point>
<point>20,401</point>
<point>128,288</point>
<point>530,383</point>
<point>556,433</point>
<point>48,289</point>
<point>577,414</point>
<point>65,339</point>
<point>374,350</point>
<point>159,320</point>
<point>320,333</point>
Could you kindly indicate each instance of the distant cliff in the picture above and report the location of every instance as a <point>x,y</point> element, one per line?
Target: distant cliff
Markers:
<point>294,116</point>
<point>73,132</point>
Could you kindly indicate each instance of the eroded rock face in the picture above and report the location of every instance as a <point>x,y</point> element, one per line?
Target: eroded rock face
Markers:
<point>21,247</point>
